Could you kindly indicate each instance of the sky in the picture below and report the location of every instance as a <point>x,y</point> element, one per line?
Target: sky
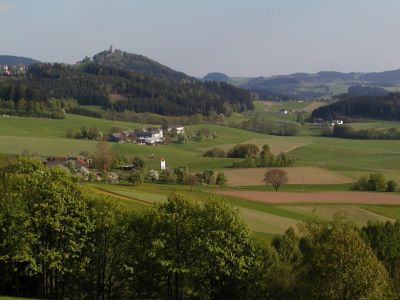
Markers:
<point>237,37</point>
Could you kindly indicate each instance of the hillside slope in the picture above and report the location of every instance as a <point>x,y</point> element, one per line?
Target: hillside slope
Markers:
<point>120,81</point>
<point>11,60</point>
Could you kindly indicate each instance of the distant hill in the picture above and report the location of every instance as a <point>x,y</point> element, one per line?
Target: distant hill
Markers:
<point>11,60</point>
<point>319,85</point>
<point>119,81</point>
<point>216,76</point>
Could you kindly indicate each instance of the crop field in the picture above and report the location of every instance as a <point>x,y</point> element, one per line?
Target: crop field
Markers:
<point>296,175</point>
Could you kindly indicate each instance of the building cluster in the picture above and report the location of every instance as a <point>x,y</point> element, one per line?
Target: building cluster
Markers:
<point>7,70</point>
<point>332,123</point>
<point>145,136</point>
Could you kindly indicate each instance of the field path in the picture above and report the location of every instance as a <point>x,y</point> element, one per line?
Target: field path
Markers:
<point>320,197</point>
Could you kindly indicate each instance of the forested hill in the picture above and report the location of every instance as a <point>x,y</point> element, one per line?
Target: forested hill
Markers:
<point>125,82</point>
<point>137,63</point>
<point>11,60</point>
<point>376,107</point>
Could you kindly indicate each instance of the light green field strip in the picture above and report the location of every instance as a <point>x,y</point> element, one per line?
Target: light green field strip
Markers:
<point>44,146</point>
<point>49,128</point>
<point>263,222</point>
<point>144,196</point>
<point>354,213</point>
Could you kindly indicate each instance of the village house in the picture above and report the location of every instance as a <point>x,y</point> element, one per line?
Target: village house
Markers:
<point>336,122</point>
<point>150,136</point>
<point>178,129</point>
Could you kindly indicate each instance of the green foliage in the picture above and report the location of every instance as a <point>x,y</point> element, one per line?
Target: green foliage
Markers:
<point>374,182</point>
<point>220,179</point>
<point>180,173</point>
<point>206,177</point>
<point>167,176</point>
<point>136,178</point>
<point>215,152</point>
<point>45,223</point>
<point>384,239</point>
<point>391,186</point>
<point>139,163</point>
<point>346,131</point>
<point>338,264</point>
<point>243,151</point>
<point>190,250</point>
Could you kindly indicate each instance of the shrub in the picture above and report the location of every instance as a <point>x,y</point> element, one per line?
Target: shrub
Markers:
<point>215,152</point>
<point>244,150</point>
<point>152,175</point>
<point>376,182</point>
<point>221,179</point>
<point>391,186</point>
<point>167,176</point>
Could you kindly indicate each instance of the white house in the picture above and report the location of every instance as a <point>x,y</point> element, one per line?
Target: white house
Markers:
<point>336,122</point>
<point>176,129</point>
<point>162,163</point>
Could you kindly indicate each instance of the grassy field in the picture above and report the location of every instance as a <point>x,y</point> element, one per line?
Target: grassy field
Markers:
<point>263,218</point>
<point>325,164</point>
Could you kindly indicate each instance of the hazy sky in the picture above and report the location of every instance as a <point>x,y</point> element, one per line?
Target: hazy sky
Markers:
<point>238,37</point>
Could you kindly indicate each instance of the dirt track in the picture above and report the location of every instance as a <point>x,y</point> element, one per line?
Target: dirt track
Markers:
<point>320,197</point>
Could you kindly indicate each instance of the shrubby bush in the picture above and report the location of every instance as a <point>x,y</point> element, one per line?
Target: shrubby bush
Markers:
<point>243,151</point>
<point>215,152</point>
<point>374,182</point>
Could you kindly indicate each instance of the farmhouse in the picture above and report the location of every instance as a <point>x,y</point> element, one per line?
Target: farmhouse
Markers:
<point>336,122</point>
<point>176,129</point>
<point>150,136</point>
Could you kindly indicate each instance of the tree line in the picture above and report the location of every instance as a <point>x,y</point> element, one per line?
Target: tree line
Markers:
<point>346,131</point>
<point>59,242</point>
<point>376,107</point>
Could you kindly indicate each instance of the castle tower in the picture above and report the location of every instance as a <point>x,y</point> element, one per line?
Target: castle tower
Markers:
<point>112,49</point>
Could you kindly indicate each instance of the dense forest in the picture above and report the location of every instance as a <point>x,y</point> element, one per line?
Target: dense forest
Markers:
<point>127,82</point>
<point>375,107</point>
<point>59,242</point>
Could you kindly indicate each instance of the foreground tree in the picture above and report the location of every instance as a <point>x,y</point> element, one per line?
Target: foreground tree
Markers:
<point>45,226</point>
<point>275,177</point>
<point>338,265</point>
<point>190,250</point>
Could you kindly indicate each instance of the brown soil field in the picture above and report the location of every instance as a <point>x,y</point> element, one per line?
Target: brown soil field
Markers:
<point>296,175</point>
<point>320,197</point>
